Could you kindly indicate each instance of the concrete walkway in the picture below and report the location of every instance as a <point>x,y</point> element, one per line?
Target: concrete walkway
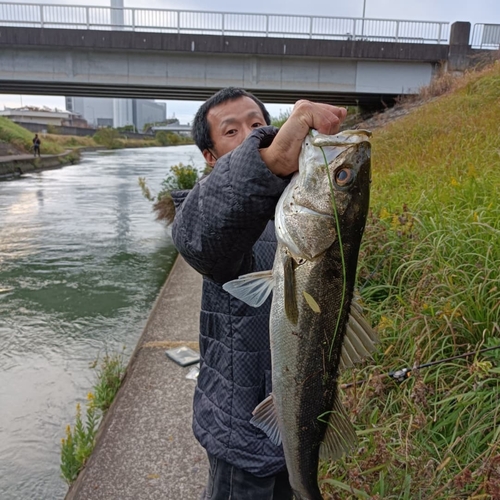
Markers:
<point>15,165</point>
<point>145,447</point>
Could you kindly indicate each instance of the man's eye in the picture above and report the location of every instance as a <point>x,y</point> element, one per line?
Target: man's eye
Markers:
<point>257,125</point>
<point>231,132</point>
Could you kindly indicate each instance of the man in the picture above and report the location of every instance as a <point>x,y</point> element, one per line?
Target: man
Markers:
<point>36,145</point>
<point>223,228</point>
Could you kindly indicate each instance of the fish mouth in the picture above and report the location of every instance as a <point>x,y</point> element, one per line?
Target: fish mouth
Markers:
<point>344,138</point>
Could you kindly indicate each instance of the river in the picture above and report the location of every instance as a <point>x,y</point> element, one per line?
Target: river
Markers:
<point>81,262</point>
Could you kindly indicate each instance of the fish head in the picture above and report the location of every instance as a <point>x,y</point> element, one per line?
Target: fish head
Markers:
<point>330,192</point>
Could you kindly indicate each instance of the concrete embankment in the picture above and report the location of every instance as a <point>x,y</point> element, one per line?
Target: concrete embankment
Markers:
<point>16,165</point>
<point>145,447</point>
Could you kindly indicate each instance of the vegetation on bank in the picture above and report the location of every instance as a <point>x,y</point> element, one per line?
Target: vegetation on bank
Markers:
<point>429,276</point>
<point>21,139</point>
<point>180,177</point>
<point>79,441</point>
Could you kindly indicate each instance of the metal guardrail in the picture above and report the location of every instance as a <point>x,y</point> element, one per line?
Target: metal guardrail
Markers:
<point>222,23</point>
<point>486,36</point>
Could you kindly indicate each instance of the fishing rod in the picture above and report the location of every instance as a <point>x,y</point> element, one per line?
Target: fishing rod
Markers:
<point>402,374</point>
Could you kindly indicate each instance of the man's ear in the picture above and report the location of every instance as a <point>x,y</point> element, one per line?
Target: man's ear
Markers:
<point>209,157</point>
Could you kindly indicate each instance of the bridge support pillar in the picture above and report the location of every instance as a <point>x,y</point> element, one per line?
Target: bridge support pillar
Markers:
<point>459,52</point>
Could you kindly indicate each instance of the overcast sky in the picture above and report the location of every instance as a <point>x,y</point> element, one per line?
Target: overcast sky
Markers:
<point>473,11</point>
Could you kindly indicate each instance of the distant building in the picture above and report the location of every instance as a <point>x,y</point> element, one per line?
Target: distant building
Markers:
<point>44,116</point>
<point>105,112</point>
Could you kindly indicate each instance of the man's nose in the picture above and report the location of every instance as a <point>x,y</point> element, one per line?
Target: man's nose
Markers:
<point>247,129</point>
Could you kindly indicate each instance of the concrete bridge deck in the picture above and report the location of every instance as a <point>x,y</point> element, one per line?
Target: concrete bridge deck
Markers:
<point>145,446</point>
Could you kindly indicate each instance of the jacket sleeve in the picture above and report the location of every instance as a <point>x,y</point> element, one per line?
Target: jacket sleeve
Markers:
<point>222,217</point>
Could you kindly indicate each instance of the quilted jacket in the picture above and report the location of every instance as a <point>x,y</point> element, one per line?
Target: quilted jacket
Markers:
<point>223,227</point>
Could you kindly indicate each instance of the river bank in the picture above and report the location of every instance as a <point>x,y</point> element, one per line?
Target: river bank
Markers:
<point>145,448</point>
<point>17,165</point>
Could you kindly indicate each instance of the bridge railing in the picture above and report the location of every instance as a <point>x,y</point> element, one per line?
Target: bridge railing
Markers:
<point>486,36</point>
<point>221,23</point>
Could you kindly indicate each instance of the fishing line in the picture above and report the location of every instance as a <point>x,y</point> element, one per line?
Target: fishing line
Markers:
<point>344,276</point>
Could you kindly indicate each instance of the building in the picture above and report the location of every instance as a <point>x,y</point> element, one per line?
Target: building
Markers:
<point>106,112</point>
<point>44,116</point>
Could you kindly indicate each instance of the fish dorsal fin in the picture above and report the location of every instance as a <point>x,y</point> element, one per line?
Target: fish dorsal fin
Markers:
<point>266,419</point>
<point>291,309</point>
<point>360,338</point>
<point>253,288</point>
<point>340,436</point>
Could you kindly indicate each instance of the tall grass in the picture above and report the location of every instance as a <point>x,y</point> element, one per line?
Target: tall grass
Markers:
<point>429,276</point>
<point>22,138</point>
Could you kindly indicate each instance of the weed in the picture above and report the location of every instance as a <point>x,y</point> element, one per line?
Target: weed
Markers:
<point>79,442</point>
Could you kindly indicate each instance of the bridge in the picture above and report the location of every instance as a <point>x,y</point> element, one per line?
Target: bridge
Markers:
<point>188,55</point>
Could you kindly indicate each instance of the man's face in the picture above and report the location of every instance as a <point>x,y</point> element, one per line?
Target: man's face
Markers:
<point>230,123</point>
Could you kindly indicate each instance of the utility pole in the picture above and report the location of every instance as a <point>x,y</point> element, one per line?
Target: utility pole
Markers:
<point>363,22</point>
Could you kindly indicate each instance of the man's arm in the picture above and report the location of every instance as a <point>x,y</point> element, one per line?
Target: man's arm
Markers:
<point>218,223</point>
<point>282,156</point>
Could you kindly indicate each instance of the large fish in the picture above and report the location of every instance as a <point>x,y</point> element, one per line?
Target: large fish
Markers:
<point>315,326</point>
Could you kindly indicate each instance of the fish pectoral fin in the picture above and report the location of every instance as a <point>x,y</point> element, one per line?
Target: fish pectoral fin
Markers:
<point>359,340</point>
<point>253,288</point>
<point>340,436</point>
<point>291,309</point>
<point>266,419</point>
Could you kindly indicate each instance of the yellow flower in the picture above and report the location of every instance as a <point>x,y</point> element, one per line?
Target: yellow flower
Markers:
<point>454,182</point>
<point>475,218</point>
<point>90,396</point>
<point>384,214</point>
<point>384,323</point>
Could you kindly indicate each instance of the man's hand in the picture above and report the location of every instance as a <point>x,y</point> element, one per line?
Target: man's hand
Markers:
<point>282,156</point>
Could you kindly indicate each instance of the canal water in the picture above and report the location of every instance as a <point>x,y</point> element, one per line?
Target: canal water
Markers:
<point>82,260</point>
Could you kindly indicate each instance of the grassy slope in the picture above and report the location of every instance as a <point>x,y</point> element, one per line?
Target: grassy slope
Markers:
<point>430,278</point>
<point>22,138</point>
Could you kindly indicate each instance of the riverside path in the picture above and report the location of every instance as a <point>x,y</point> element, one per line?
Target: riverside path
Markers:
<point>145,447</point>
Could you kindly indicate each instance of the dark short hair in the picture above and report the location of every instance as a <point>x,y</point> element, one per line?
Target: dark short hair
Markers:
<point>201,129</point>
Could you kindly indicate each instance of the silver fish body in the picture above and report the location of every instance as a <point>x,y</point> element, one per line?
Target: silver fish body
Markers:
<point>319,219</point>
<point>318,256</point>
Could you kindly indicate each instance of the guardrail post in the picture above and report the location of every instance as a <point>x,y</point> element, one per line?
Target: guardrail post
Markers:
<point>267,25</point>
<point>397,31</point>
<point>439,33</point>
<point>354,30</point>
<point>41,16</point>
<point>87,17</point>
<point>222,24</point>
<point>133,19</point>
<point>310,27</point>
<point>178,21</point>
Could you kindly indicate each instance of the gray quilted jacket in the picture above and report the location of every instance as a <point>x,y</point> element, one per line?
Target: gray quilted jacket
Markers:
<point>223,229</point>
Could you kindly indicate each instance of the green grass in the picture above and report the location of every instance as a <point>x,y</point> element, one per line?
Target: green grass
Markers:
<point>429,275</point>
<point>22,138</point>
<point>79,441</point>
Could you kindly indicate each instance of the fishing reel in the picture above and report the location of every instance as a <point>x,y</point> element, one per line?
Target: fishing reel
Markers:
<point>400,375</point>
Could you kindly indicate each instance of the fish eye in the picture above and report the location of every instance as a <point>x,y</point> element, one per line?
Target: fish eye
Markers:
<point>343,176</point>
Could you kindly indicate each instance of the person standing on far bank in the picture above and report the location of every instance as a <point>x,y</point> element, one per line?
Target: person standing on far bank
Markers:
<point>36,145</point>
<point>224,228</point>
